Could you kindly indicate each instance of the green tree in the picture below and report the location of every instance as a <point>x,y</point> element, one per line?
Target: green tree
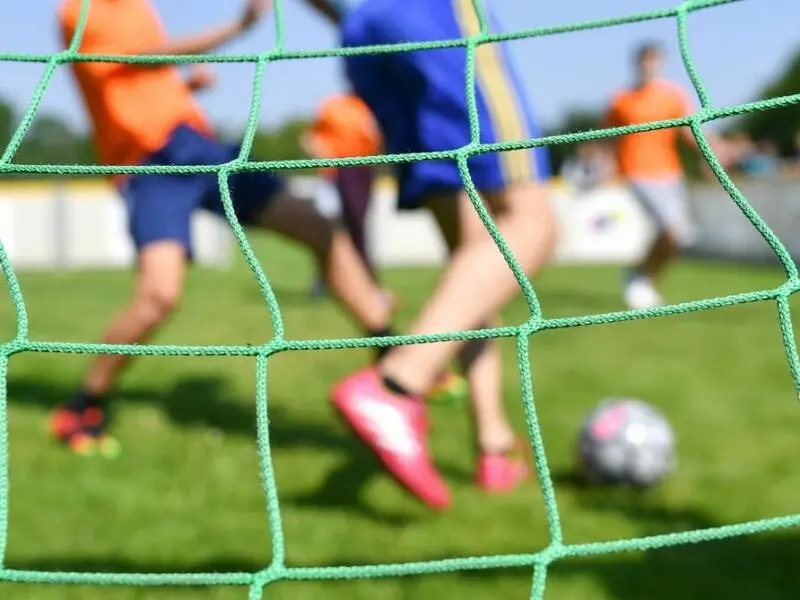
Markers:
<point>51,140</point>
<point>282,143</point>
<point>582,119</point>
<point>575,120</point>
<point>780,125</point>
<point>6,122</point>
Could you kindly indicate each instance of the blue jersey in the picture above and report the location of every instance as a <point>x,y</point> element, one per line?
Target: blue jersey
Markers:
<point>420,102</point>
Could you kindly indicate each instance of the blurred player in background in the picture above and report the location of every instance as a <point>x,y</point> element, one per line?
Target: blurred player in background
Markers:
<point>344,127</point>
<point>419,101</point>
<point>651,164</point>
<point>592,166</point>
<point>145,114</point>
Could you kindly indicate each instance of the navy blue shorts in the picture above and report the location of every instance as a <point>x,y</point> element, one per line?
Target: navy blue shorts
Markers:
<point>419,98</point>
<point>160,207</point>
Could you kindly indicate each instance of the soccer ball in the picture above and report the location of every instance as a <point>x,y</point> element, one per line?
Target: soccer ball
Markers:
<point>626,441</point>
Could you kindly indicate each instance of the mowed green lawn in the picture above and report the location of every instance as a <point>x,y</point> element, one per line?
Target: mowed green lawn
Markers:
<point>186,494</point>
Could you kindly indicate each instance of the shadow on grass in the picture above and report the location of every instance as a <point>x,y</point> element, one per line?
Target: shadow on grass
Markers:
<point>108,564</point>
<point>206,402</point>
<point>586,302</point>
<point>744,568</point>
<point>747,567</point>
<point>580,300</point>
<point>291,296</point>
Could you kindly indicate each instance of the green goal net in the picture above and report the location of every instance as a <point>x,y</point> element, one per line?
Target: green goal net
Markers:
<point>277,569</point>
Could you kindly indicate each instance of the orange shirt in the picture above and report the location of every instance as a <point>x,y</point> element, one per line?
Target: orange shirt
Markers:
<point>133,108</point>
<point>649,154</point>
<point>345,127</point>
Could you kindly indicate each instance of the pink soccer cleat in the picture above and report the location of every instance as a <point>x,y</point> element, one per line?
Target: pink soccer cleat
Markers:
<point>395,428</point>
<point>502,472</point>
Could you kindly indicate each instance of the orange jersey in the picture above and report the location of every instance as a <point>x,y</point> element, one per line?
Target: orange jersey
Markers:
<point>345,127</point>
<point>133,108</point>
<point>650,154</point>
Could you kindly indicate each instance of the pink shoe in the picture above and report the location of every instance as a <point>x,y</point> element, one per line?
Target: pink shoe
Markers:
<point>395,428</point>
<point>499,473</point>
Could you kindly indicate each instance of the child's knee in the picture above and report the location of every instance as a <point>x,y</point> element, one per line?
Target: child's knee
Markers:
<point>155,304</point>
<point>322,238</point>
<point>529,206</point>
<point>678,236</point>
<point>542,214</point>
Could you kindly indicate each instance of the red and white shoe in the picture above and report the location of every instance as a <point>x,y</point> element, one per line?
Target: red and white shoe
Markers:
<point>395,427</point>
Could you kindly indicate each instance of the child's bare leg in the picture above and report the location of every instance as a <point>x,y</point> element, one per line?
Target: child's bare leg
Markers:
<point>481,362</point>
<point>160,274</point>
<point>477,282</point>
<point>343,269</point>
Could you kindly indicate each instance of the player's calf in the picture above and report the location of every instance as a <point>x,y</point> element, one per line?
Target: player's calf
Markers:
<point>344,271</point>
<point>477,282</point>
<point>525,214</point>
<point>155,305</point>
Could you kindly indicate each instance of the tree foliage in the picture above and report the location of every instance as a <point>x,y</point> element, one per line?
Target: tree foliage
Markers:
<point>779,126</point>
<point>575,120</point>
<point>51,140</point>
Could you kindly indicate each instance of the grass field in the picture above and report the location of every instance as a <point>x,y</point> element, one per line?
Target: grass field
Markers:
<point>186,495</point>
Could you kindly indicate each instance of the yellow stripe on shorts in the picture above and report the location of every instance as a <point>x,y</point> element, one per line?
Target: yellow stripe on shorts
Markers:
<point>497,89</point>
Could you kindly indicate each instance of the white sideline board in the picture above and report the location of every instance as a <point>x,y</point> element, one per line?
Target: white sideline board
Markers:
<point>75,224</point>
<point>603,226</point>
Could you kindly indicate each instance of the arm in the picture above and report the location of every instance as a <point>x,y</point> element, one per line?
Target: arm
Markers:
<point>609,120</point>
<point>308,144</point>
<point>611,117</point>
<point>199,43</point>
<point>211,39</point>
<point>683,108</point>
<point>95,42</point>
<point>718,146</point>
<point>200,77</point>
<point>328,9</point>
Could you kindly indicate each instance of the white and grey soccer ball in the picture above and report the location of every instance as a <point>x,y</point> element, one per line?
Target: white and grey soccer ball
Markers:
<point>626,441</point>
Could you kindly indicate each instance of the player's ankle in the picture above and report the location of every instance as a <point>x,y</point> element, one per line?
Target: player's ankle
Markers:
<point>635,272</point>
<point>83,399</point>
<point>381,351</point>
<point>400,386</point>
<point>501,442</point>
<point>394,386</point>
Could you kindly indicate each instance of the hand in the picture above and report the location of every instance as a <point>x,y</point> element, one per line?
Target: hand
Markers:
<point>201,77</point>
<point>724,153</point>
<point>308,146</point>
<point>254,10</point>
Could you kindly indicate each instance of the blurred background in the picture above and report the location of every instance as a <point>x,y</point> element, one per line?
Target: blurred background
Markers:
<point>186,495</point>
<point>570,91</point>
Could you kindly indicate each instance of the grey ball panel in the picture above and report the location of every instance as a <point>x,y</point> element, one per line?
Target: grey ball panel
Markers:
<point>625,440</point>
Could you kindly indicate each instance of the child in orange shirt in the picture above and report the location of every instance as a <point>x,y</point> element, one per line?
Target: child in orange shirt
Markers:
<point>344,127</point>
<point>650,163</point>
<point>146,115</point>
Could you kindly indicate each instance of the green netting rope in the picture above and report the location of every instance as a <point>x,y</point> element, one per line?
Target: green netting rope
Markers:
<point>277,570</point>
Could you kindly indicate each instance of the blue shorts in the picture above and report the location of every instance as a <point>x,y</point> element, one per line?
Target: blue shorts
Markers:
<point>160,207</point>
<point>419,98</point>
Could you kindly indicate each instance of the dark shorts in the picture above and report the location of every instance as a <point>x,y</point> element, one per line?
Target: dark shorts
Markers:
<point>160,207</point>
<point>419,98</point>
